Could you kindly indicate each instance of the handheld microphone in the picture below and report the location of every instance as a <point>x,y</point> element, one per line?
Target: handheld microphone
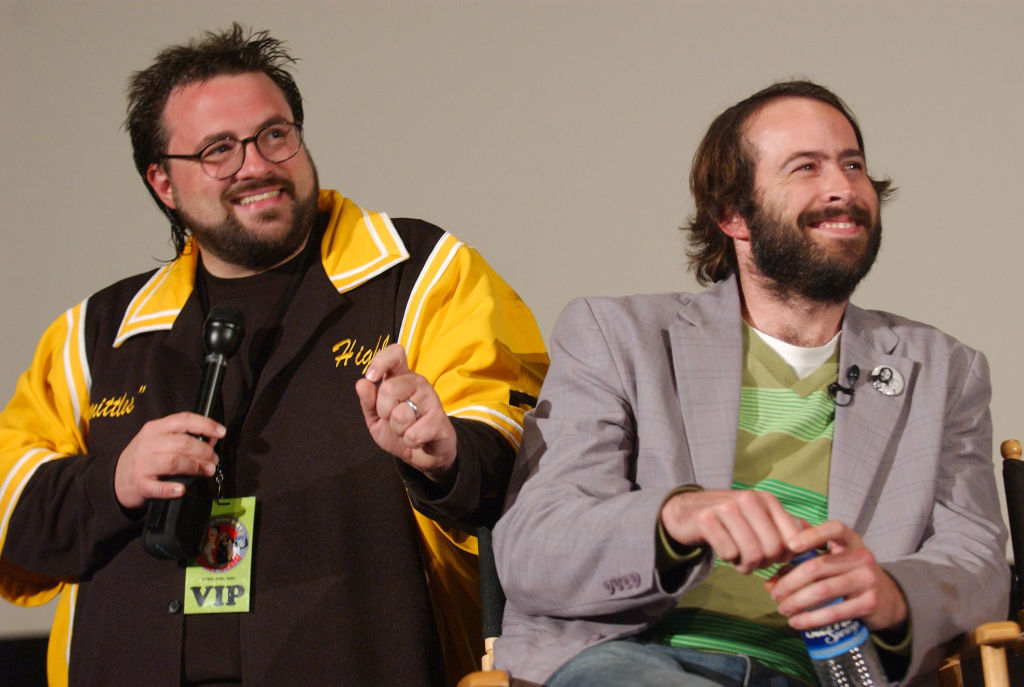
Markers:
<point>174,527</point>
<point>852,375</point>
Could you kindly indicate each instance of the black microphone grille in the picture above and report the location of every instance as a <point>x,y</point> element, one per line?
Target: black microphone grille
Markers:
<point>223,330</point>
<point>853,374</point>
<point>227,314</point>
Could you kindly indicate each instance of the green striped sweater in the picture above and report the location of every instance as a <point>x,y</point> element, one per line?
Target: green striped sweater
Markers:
<point>784,440</point>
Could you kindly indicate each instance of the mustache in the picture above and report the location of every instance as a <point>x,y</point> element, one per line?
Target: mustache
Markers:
<point>243,187</point>
<point>858,213</point>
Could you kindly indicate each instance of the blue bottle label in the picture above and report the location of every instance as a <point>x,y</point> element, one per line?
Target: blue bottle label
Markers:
<point>831,640</point>
<point>835,639</point>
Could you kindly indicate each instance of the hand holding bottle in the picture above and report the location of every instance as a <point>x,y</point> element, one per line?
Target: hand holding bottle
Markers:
<point>849,570</point>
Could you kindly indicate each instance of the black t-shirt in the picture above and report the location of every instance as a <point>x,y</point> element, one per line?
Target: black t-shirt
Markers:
<point>212,646</point>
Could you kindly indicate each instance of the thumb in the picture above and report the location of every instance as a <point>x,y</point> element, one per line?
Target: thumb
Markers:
<point>367,393</point>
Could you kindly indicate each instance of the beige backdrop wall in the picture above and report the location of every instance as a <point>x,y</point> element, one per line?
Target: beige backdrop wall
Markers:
<point>553,136</point>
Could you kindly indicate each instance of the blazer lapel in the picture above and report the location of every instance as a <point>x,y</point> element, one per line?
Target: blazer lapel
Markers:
<point>867,430</point>
<point>707,357</point>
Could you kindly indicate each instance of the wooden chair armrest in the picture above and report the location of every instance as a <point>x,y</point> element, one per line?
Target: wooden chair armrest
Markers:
<point>485,678</point>
<point>990,641</point>
<point>1002,633</point>
<point>488,677</point>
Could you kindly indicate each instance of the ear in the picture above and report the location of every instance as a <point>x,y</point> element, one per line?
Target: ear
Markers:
<point>734,226</point>
<point>160,182</point>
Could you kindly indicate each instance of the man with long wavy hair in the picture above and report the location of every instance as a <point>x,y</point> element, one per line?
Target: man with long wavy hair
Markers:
<point>686,447</point>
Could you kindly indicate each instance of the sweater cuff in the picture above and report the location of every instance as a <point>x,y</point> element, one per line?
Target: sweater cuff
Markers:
<point>895,641</point>
<point>673,560</point>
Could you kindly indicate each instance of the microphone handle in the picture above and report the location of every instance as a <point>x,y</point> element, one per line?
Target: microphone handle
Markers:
<point>213,375</point>
<point>174,527</point>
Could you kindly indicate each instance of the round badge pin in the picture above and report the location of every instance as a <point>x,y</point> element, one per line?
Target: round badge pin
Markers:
<point>887,380</point>
<point>225,545</point>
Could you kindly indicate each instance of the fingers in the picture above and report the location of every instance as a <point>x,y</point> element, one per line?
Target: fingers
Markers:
<point>387,384</point>
<point>402,419</point>
<point>846,552</point>
<point>179,444</point>
<point>848,588</point>
<point>824,614</point>
<point>752,530</point>
<point>187,423</point>
<point>388,362</point>
<point>807,593</point>
<point>398,401</point>
<point>755,526</point>
<point>396,396</point>
<point>746,528</point>
<point>403,401</point>
<point>404,414</point>
<point>787,526</point>
<point>163,489</point>
<point>169,488</point>
<point>833,535</point>
<point>182,446</point>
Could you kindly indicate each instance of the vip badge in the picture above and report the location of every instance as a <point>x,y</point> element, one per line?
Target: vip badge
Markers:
<point>220,579</point>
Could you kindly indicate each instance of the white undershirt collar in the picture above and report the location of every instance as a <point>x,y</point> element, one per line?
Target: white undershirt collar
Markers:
<point>803,359</point>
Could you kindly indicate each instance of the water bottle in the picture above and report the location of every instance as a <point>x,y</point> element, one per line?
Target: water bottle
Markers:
<point>842,653</point>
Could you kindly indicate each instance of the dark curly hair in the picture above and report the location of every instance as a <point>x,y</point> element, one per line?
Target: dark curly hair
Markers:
<point>235,51</point>
<point>722,177</point>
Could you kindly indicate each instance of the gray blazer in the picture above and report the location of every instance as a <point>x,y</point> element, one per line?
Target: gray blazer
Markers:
<point>643,396</point>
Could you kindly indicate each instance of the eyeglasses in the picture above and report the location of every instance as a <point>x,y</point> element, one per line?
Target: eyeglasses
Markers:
<point>223,158</point>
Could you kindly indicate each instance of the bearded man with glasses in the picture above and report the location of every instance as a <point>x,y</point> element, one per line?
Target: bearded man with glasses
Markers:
<point>382,363</point>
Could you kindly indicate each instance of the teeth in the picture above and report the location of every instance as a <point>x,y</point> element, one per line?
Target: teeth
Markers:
<point>260,196</point>
<point>837,225</point>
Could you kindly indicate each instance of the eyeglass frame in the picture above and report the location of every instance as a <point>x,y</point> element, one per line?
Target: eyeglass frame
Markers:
<point>254,139</point>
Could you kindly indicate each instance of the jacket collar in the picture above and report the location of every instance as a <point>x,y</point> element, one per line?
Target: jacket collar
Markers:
<point>357,246</point>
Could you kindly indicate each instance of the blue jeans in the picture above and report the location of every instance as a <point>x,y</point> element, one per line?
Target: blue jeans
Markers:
<point>642,664</point>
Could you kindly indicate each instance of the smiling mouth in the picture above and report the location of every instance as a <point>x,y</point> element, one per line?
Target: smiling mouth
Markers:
<point>842,220</point>
<point>249,200</point>
<point>831,224</point>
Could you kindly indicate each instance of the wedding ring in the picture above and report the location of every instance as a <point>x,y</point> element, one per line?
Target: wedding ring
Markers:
<point>415,410</point>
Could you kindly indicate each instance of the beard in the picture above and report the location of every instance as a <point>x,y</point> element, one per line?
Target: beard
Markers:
<point>797,265</point>
<point>232,242</point>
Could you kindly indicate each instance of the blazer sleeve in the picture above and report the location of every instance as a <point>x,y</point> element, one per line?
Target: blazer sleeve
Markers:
<point>959,577</point>
<point>579,538</point>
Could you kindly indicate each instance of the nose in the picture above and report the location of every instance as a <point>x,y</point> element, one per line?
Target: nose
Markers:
<point>253,163</point>
<point>837,186</point>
